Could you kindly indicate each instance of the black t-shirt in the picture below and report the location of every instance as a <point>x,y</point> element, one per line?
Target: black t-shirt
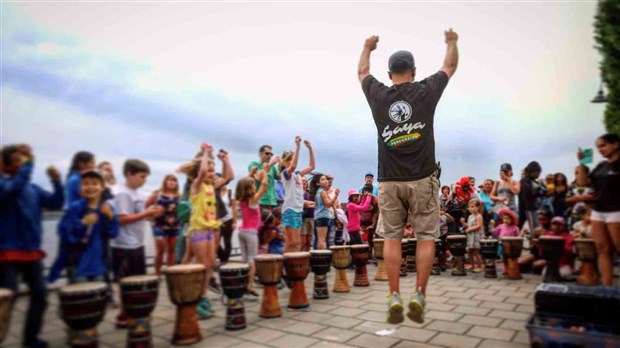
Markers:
<point>404,116</point>
<point>606,182</point>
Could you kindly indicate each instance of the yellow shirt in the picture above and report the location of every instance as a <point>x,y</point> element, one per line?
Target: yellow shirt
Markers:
<point>203,210</point>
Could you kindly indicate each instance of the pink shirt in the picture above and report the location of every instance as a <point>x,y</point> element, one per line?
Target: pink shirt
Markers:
<point>353,210</point>
<point>504,230</point>
<point>250,217</point>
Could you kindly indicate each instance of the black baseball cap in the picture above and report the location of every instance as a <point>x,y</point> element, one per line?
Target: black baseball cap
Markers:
<point>93,174</point>
<point>401,61</point>
<point>505,167</point>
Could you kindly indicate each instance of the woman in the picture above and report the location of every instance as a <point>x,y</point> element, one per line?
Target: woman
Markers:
<point>229,222</point>
<point>559,195</point>
<point>166,227</point>
<point>505,190</point>
<point>605,217</point>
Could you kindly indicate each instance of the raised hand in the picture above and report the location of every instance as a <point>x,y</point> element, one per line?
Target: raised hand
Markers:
<point>297,140</point>
<point>274,160</point>
<point>307,143</point>
<point>337,192</point>
<point>253,171</point>
<point>371,42</point>
<point>53,173</point>
<point>222,154</point>
<point>206,147</point>
<point>451,35</point>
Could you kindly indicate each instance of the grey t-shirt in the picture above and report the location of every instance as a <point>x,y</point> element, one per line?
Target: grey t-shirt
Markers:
<point>404,116</point>
<point>128,202</point>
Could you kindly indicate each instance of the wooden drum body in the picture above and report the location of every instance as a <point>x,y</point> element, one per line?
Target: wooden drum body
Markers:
<point>82,307</point>
<point>586,251</point>
<point>341,259</point>
<point>411,250</point>
<point>360,255</point>
<point>438,247</point>
<point>186,285</point>
<point>6,306</point>
<point>297,265</point>
<point>234,278</point>
<point>320,263</point>
<point>552,248</point>
<point>269,271</point>
<point>378,244</point>
<point>488,250</point>
<point>404,250</point>
<point>457,245</point>
<point>139,294</point>
<point>513,246</point>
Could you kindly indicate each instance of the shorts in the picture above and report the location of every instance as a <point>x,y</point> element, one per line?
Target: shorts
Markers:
<point>416,201</point>
<point>291,218</point>
<point>608,217</point>
<point>307,228</point>
<point>473,240</point>
<point>248,243</point>
<point>322,222</point>
<point>128,262</point>
<point>202,236</point>
<point>159,233</point>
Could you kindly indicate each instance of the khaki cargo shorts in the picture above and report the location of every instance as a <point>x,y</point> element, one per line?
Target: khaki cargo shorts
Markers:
<point>417,201</point>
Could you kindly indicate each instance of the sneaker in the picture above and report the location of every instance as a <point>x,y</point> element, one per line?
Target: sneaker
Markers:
<point>417,304</point>
<point>203,309</point>
<point>214,286</point>
<point>122,321</point>
<point>395,308</point>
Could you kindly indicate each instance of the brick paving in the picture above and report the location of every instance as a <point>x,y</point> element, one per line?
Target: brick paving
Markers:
<point>469,311</point>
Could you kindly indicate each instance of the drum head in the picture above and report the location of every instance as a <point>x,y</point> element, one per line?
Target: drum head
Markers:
<point>320,252</point>
<point>404,241</point>
<point>83,287</point>
<point>184,268</point>
<point>551,238</point>
<point>512,238</point>
<point>296,255</point>
<point>269,257</point>
<point>139,279</point>
<point>6,293</point>
<point>339,247</point>
<point>584,240</point>
<point>456,236</point>
<point>234,266</point>
<point>490,240</point>
<point>379,240</point>
<point>360,246</point>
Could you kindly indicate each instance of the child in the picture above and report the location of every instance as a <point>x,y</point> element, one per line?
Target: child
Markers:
<point>508,228</point>
<point>445,196</point>
<point>534,259</point>
<point>580,193</point>
<point>293,205</point>
<point>203,222</point>
<point>558,228</point>
<point>307,230</point>
<point>583,228</point>
<point>474,230</point>
<point>276,238</point>
<point>80,163</point>
<point>21,212</point>
<point>322,211</point>
<point>354,207</point>
<point>167,225</point>
<point>340,222</point>
<point>248,199</point>
<point>85,226</point>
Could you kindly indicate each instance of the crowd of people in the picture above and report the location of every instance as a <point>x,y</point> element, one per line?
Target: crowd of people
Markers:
<point>285,209</point>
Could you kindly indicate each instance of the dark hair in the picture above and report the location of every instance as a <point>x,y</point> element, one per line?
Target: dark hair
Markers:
<point>79,158</point>
<point>7,153</point>
<point>313,185</point>
<point>93,174</point>
<point>264,147</point>
<point>135,166</point>
<point>267,219</point>
<point>610,138</point>
<point>400,66</point>
<point>367,188</point>
<point>532,168</point>
<point>560,175</point>
<point>584,167</point>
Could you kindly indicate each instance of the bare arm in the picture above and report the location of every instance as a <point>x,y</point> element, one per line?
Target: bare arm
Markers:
<point>207,155</point>
<point>363,68</point>
<point>227,170</point>
<point>263,184</point>
<point>452,53</point>
<point>293,165</point>
<point>310,166</point>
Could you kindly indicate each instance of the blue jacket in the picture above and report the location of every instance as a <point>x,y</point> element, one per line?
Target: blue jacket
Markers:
<point>74,187</point>
<point>83,245</point>
<point>21,210</point>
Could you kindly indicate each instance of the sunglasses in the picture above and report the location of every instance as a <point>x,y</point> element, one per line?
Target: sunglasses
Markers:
<point>268,153</point>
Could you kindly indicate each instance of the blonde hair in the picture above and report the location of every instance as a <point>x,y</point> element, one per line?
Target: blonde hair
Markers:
<point>192,167</point>
<point>162,189</point>
<point>286,157</point>
<point>476,203</point>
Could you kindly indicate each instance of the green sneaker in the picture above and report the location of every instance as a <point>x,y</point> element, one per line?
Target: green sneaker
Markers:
<point>395,308</point>
<point>417,304</point>
<point>203,309</point>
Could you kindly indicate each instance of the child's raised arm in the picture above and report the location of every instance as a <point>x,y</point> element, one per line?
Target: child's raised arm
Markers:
<point>227,170</point>
<point>310,166</point>
<point>265,180</point>
<point>207,156</point>
<point>293,165</point>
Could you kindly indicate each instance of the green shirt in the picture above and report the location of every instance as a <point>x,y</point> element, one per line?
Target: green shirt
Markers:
<point>269,198</point>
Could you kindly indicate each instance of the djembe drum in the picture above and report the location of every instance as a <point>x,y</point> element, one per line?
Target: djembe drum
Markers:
<point>488,250</point>
<point>436,270</point>
<point>297,265</point>
<point>411,250</point>
<point>269,271</point>
<point>457,244</point>
<point>513,246</point>
<point>341,259</point>
<point>404,251</point>
<point>186,285</point>
<point>320,264</point>
<point>378,247</point>
<point>552,248</point>
<point>234,278</point>
<point>6,305</point>
<point>139,294</point>
<point>586,251</point>
<point>360,254</point>
<point>82,307</point>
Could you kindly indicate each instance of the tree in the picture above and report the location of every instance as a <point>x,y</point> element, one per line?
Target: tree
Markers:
<point>607,36</point>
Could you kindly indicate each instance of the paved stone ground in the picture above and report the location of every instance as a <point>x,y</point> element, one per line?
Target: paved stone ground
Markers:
<point>466,311</point>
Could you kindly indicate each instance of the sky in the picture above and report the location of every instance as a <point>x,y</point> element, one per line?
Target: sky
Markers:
<point>152,80</point>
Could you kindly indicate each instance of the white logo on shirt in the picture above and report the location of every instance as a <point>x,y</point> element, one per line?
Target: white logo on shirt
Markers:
<point>406,129</point>
<point>400,111</point>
